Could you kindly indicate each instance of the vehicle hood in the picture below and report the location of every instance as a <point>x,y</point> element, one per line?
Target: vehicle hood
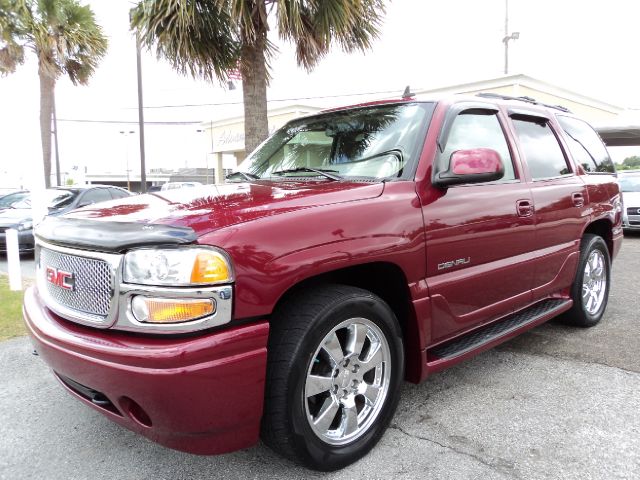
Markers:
<point>631,199</point>
<point>14,216</point>
<point>211,207</point>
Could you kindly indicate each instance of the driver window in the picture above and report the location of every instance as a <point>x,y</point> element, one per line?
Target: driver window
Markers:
<point>479,130</point>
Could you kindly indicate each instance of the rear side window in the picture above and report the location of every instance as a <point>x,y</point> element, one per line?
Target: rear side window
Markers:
<point>95,195</point>
<point>585,145</point>
<point>541,148</point>
<point>116,194</point>
<point>478,130</point>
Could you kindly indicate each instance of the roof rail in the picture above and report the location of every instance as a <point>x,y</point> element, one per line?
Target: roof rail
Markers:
<point>530,100</point>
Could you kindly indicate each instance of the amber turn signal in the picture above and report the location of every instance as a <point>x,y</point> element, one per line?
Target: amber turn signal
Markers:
<point>170,310</point>
<point>210,267</point>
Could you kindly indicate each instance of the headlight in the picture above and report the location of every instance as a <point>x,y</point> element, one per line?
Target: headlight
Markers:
<point>177,266</point>
<point>27,225</point>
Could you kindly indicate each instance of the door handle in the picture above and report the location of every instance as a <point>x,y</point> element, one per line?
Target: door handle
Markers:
<point>524,208</point>
<point>578,199</point>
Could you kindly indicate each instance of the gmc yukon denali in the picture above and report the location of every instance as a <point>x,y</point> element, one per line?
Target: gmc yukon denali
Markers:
<point>355,249</point>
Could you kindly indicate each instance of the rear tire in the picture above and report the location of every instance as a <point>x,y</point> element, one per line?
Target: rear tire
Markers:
<point>590,289</point>
<point>335,365</point>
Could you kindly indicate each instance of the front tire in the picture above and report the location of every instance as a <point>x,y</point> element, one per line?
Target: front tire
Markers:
<point>335,366</point>
<point>590,289</point>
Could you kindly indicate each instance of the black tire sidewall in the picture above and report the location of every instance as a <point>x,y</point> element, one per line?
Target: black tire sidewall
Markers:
<point>313,450</point>
<point>581,315</point>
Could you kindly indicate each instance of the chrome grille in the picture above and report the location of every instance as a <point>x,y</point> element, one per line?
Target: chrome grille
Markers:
<point>92,292</point>
<point>633,211</point>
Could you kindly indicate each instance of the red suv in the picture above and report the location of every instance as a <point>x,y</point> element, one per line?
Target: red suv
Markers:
<point>358,248</point>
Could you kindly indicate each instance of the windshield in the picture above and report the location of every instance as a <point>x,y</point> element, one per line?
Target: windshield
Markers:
<point>54,198</point>
<point>629,183</point>
<point>371,142</point>
<point>12,198</point>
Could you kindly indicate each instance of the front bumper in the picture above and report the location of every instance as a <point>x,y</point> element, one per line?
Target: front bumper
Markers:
<point>201,394</point>
<point>25,241</point>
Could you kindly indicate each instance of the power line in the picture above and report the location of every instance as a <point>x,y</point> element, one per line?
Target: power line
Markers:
<point>126,122</point>
<point>188,105</point>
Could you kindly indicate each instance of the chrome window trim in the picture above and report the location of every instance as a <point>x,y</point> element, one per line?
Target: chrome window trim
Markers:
<point>120,316</point>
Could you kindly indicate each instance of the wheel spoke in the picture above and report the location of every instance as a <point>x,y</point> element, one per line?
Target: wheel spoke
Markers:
<point>371,394</point>
<point>327,414</point>
<point>317,384</point>
<point>357,336</point>
<point>374,358</point>
<point>333,349</point>
<point>599,267</point>
<point>349,423</point>
<point>585,291</point>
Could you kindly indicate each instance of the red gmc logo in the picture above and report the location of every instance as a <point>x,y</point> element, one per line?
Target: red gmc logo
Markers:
<point>61,278</point>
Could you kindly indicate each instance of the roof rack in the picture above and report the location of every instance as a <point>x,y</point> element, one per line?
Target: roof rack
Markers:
<point>530,100</point>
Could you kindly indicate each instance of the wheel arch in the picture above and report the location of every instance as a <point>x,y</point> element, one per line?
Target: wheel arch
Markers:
<point>603,228</point>
<point>386,280</point>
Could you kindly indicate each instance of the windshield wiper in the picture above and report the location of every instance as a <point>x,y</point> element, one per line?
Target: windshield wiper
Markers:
<point>319,171</point>
<point>245,175</point>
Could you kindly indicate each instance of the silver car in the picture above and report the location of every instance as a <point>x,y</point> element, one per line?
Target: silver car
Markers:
<point>630,186</point>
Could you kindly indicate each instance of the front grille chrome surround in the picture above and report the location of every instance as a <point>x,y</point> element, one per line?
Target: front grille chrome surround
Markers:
<point>93,301</point>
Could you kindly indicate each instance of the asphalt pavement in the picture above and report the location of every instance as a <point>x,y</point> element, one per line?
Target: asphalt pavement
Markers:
<point>555,403</point>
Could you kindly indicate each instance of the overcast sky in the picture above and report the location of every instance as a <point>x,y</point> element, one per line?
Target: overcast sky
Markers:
<point>586,46</point>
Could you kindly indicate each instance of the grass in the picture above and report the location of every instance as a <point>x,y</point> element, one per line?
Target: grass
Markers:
<point>11,324</point>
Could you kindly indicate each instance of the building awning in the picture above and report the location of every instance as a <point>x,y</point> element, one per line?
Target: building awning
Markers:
<point>620,136</point>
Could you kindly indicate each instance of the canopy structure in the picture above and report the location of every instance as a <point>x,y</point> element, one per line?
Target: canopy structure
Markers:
<point>620,136</point>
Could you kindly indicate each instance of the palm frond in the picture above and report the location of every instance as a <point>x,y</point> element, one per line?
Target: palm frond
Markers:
<point>314,25</point>
<point>196,36</point>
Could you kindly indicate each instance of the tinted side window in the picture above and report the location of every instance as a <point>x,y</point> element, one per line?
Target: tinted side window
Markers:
<point>115,193</point>
<point>541,149</point>
<point>473,130</point>
<point>94,196</point>
<point>585,145</point>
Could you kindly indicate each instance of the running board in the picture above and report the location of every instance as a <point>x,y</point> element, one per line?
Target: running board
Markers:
<point>480,340</point>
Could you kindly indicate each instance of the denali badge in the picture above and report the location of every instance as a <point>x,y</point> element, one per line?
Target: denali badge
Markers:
<point>60,278</point>
<point>453,263</point>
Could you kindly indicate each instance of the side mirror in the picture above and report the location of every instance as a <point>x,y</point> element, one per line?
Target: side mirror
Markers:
<point>471,166</point>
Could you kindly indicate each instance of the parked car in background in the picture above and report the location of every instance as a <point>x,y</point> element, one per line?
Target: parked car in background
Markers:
<point>176,185</point>
<point>630,186</point>
<point>18,214</point>
<point>8,198</point>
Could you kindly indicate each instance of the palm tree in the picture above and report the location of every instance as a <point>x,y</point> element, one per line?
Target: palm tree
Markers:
<point>210,38</point>
<point>65,38</point>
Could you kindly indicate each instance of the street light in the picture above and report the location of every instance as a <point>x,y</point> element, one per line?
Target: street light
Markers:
<point>126,149</point>
<point>507,37</point>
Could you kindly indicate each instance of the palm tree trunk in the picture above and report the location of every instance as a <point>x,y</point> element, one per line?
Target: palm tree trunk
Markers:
<point>254,92</point>
<point>47,84</point>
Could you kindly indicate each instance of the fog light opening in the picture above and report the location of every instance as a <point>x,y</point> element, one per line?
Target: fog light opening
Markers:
<point>136,412</point>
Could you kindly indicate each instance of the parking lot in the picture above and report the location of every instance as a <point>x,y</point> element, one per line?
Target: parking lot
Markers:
<point>557,402</point>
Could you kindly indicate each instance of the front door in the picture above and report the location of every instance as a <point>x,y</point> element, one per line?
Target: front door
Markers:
<point>479,235</point>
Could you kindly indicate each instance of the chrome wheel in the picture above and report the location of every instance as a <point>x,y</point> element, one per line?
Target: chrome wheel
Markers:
<point>347,381</point>
<point>594,282</point>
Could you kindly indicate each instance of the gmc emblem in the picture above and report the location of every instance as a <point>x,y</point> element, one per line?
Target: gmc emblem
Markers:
<point>60,278</point>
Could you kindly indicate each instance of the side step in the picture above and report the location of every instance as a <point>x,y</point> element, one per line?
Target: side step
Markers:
<point>497,332</point>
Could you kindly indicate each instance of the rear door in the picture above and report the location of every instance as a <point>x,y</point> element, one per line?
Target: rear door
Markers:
<point>559,197</point>
<point>478,235</point>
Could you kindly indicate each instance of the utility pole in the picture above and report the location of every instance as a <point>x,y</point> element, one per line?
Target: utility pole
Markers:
<point>143,167</point>
<point>126,149</point>
<point>55,139</point>
<point>507,37</point>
